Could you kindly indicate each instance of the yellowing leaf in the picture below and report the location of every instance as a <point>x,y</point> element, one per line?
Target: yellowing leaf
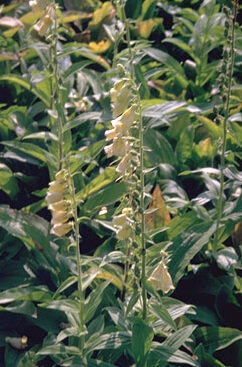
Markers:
<point>161,216</point>
<point>104,274</point>
<point>72,17</point>
<point>106,12</point>
<point>146,27</point>
<point>205,148</point>
<point>99,47</point>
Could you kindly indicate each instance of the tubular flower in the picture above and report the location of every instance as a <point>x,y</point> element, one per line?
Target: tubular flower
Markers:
<point>120,97</point>
<point>123,164</point>
<point>58,205</point>
<point>43,25</point>
<point>119,148</point>
<point>61,229</point>
<point>122,223</point>
<point>161,279</point>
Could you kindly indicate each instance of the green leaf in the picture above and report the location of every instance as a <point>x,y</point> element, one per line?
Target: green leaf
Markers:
<point>170,63</point>
<point>106,196</point>
<point>142,336</point>
<point>105,178</point>
<point>25,293</point>
<point>160,353</point>
<point>113,340</point>
<point>93,301</point>
<point>161,150</point>
<point>184,145</point>
<point>59,349</point>
<point>12,78</point>
<point>162,314</point>
<point>32,150</point>
<point>64,305</point>
<point>26,226</point>
<point>226,258</point>
<point>81,119</point>
<point>186,246</point>
<point>179,337</point>
<point>216,337</point>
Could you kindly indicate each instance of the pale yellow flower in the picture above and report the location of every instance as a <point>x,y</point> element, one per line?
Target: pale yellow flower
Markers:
<point>53,197</point>
<point>109,150</point>
<point>123,164</point>
<point>120,147</point>
<point>125,121</point>
<point>120,97</point>
<point>61,175</point>
<point>61,205</point>
<point>61,229</point>
<point>161,279</point>
<point>124,232</point>
<point>43,25</point>
<point>119,220</point>
<point>111,134</point>
<point>57,186</point>
<point>59,217</point>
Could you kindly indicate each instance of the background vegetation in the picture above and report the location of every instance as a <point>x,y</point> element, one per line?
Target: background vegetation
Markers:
<point>192,137</point>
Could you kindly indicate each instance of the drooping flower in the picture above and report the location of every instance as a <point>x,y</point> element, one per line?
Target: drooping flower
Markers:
<point>57,186</point>
<point>62,229</point>
<point>59,206</point>
<point>60,217</point>
<point>124,232</point>
<point>120,97</point>
<point>161,279</point>
<point>123,164</point>
<point>43,25</point>
<point>123,224</point>
<point>53,197</point>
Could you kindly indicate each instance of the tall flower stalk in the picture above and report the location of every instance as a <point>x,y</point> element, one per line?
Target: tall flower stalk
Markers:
<point>225,84</point>
<point>60,197</point>
<point>127,145</point>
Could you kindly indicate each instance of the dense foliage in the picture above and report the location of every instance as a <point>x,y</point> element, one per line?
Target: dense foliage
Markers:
<point>79,299</point>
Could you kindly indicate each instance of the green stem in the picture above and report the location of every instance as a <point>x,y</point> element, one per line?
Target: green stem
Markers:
<point>61,122</point>
<point>225,127</point>
<point>142,206</point>
<point>141,157</point>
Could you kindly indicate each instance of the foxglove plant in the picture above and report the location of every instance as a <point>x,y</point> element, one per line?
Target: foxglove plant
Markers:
<point>225,85</point>
<point>60,197</point>
<point>126,137</point>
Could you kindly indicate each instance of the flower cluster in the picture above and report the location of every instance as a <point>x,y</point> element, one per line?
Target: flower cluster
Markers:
<point>124,118</point>
<point>161,279</point>
<point>59,206</point>
<point>123,224</point>
<point>46,21</point>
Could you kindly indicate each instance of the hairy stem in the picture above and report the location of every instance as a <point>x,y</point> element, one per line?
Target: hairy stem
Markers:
<point>225,128</point>
<point>141,157</point>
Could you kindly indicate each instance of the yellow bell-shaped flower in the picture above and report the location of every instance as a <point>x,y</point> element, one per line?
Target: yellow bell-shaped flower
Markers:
<point>161,279</point>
